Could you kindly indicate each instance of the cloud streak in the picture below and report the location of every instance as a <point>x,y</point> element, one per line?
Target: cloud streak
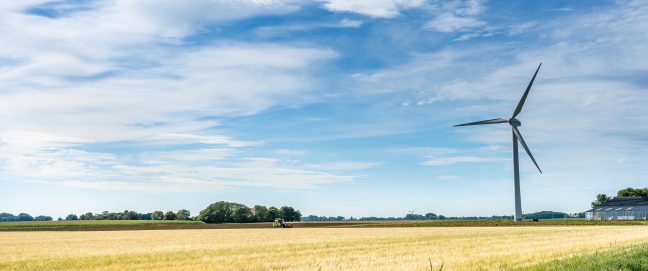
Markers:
<point>372,8</point>
<point>121,71</point>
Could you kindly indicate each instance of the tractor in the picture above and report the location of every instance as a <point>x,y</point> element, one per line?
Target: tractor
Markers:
<point>281,223</point>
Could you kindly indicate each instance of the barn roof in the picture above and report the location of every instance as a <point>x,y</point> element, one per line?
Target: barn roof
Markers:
<point>642,208</point>
<point>626,201</point>
<point>623,204</point>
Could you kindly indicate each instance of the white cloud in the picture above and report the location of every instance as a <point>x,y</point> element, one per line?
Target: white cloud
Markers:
<point>12,6</point>
<point>468,8</point>
<point>38,155</point>
<point>444,161</point>
<point>215,169</point>
<point>415,75</point>
<point>521,28</point>
<point>86,40</point>
<point>110,73</point>
<point>206,155</point>
<point>350,23</point>
<point>205,139</point>
<point>448,22</point>
<point>276,30</point>
<point>291,153</point>
<point>119,71</point>
<point>586,111</point>
<point>211,82</point>
<point>26,140</point>
<point>565,9</point>
<point>372,8</point>
<point>343,165</point>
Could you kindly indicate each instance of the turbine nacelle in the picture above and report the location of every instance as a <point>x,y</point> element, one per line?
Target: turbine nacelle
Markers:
<point>514,122</point>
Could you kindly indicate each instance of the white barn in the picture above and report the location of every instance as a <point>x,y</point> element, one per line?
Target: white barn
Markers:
<point>620,209</point>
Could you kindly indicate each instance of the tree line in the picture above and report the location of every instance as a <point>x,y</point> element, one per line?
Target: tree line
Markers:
<point>218,212</point>
<point>7,217</point>
<point>105,215</point>
<point>433,216</point>
<point>623,193</point>
<point>182,214</point>
<point>409,216</point>
<point>231,212</point>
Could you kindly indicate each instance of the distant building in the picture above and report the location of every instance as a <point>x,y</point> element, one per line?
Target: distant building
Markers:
<point>620,209</point>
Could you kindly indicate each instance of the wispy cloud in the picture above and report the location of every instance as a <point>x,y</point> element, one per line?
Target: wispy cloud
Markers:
<point>448,22</point>
<point>269,31</point>
<point>444,161</point>
<point>565,9</point>
<point>120,72</point>
<point>372,8</point>
<point>181,170</point>
<point>291,153</point>
<point>343,165</point>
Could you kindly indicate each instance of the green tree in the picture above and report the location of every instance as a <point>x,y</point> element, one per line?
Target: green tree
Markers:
<point>413,216</point>
<point>273,213</point>
<point>545,215</point>
<point>632,192</point>
<point>170,216</point>
<point>260,213</point>
<point>7,217</point>
<point>87,216</point>
<point>157,215</point>
<point>289,213</point>
<point>72,217</point>
<point>43,218</point>
<point>103,216</point>
<point>25,217</point>
<point>431,216</point>
<point>183,215</point>
<point>225,212</point>
<point>131,215</point>
<point>600,199</point>
<point>243,214</point>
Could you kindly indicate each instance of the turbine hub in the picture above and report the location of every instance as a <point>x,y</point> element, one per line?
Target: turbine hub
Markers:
<point>515,122</point>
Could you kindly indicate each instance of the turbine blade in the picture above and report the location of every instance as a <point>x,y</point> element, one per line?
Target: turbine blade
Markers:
<point>518,109</point>
<point>524,145</point>
<point>482,122</point>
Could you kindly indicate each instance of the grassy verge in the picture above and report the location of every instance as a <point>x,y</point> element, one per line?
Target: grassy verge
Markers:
<point>96,225</point>
<point>634,258</point>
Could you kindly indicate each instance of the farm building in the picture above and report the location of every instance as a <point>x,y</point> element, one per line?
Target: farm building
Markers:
<point>620,209</point>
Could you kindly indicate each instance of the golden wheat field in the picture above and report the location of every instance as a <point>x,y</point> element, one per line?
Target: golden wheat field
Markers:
<point>487,248</point>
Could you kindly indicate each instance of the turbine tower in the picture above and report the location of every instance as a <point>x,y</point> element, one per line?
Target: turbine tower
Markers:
<point>516,137</point>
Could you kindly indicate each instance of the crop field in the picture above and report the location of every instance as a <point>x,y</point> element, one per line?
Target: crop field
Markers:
<point>115,225</point>
<point>387,248</point>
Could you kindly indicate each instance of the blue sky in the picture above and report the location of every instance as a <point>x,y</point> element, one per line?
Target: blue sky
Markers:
<point>334,107</point>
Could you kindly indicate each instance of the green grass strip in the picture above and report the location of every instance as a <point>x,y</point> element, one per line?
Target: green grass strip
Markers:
<point>633,258</point>
<point>91,224</point>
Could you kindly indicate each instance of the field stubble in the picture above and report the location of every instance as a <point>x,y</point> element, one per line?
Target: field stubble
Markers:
<point>459,248</point>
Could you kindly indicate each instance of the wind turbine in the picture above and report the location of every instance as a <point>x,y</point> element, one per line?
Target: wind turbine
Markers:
<point>516,137</point>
